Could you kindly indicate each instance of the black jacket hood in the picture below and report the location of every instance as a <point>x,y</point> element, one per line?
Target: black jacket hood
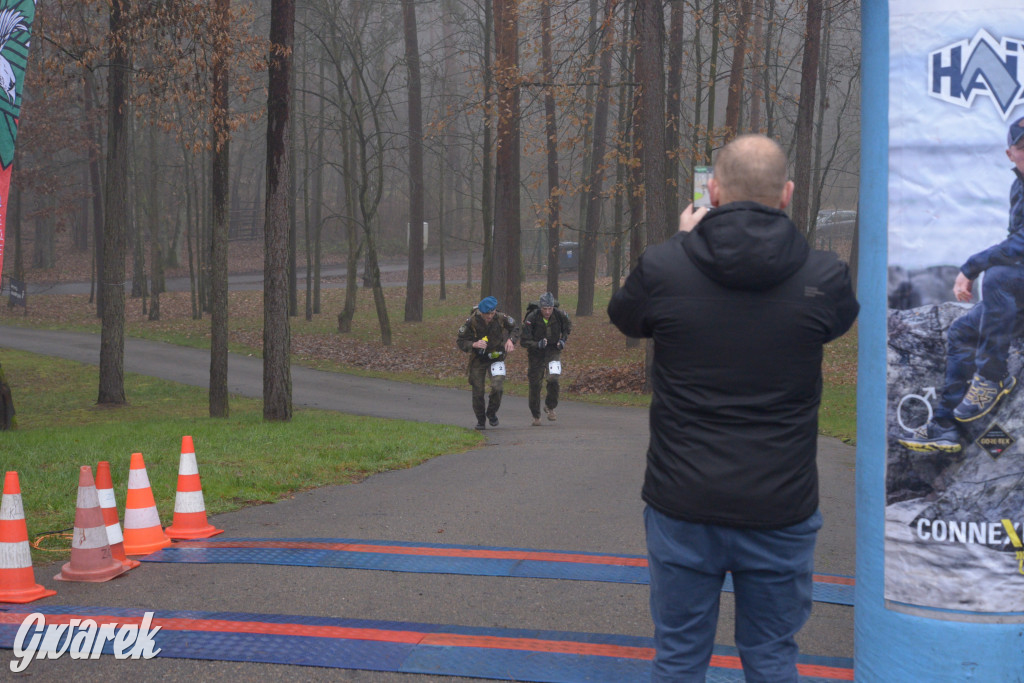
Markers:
<point>746,245</point>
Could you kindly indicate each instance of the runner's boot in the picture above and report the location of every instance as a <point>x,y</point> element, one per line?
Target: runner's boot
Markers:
<point>982,397</point>
<point>931,437</point>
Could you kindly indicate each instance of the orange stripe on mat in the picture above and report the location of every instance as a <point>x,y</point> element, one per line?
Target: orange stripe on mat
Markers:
<point>415,638</point>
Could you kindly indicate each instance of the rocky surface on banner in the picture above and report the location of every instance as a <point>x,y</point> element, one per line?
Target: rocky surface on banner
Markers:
<point>981,482</point>
<point>920,286</point>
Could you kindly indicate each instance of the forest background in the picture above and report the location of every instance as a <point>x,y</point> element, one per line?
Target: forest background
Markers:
<point>533,139</point>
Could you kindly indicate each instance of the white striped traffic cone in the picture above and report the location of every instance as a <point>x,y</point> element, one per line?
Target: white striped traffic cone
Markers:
<point>142,532</point>
<point>108,504</point>
<point>189,506</point>
<point>17,580</point>
<point>91,559</point>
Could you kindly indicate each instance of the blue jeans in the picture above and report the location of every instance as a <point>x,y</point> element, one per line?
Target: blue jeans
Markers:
<point>772,578</point>
<point>979,340</point>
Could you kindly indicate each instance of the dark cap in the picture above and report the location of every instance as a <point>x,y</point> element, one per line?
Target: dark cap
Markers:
<point>1016,133</point>
<point>547,300</point>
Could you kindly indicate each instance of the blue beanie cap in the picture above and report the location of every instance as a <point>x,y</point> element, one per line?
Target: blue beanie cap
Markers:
<point>1016,132</point>
<point>487,304</point>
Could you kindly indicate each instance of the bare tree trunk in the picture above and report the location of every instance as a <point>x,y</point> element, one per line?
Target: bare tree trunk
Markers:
<point>769,37</point>
<point>757,50</point>
<point>442,191</point>
<point>673,99</point>
<point>587,117</point>
<point>318,200</point>
<point>414,279</point>
<point>637,229</point>
<point>817,170</point>
<point>140,287</point>
<point>156,253</point>
<point>623,143</point>
<point>554,202</point>
<point>95,183</point>
<point>277,380</point>
<point>650,76</point>
<point>805,117</point>
<point>379,303</point>
<point>293,222</point>
<point>699,157</point>
<point>709,141</point>
<point>220,200</point>
<point>506,273</point>
<point>486,172</point>
<point>588,248</point>
<point>193,284</point>
<point>307,209</point>
<point>111,369</point>
<point>736,79</point>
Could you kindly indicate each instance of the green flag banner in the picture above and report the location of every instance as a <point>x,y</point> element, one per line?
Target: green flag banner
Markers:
<point>16,17</point>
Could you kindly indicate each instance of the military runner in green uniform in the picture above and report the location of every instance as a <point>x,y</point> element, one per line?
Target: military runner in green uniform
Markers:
<point>488,336</point>
<point>546,329</point>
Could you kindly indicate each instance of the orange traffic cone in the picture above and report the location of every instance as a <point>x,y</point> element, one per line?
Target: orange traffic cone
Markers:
<point>17,580</point>
<point>142,532</point>
<point>91,559</point>
<point>189,506</point>
<point>108,504</point>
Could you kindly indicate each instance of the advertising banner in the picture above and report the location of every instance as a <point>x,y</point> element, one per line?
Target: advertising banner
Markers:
<point>16,17</point>
<point>954,485</point>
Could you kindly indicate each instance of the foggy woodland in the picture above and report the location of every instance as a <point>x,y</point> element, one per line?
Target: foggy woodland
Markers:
<point>152,133</point>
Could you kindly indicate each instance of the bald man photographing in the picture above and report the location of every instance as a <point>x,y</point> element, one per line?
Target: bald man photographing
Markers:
<point>739,307</point>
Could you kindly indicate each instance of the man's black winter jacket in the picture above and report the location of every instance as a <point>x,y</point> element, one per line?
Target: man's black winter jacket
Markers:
<point>739,310</point>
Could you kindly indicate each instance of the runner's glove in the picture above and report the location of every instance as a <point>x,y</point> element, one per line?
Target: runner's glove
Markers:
<point>542,343</point>
<point>561,344</point>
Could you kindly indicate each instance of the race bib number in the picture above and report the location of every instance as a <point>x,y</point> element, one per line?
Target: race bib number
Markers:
<point>498,369</point>
<point>555,367</point>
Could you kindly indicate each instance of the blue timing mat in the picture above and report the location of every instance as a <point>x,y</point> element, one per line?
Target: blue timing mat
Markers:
<point>508,654</point>
<point>430,558</point>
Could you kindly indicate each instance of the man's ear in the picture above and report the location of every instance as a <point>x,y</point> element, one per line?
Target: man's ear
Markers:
<point>787,195</point>
<point>714,192</point>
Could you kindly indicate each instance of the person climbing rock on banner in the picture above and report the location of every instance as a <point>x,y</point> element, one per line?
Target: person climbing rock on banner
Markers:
<point>978,342</point>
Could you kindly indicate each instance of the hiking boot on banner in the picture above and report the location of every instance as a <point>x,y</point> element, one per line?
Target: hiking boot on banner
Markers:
<point>931,437</point>
<point>982,397</point>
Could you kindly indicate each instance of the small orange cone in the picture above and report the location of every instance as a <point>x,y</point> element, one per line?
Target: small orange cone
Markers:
<point>108,504</point>
<point>17,580</point>
<point>91,559</point>
<point>189,506</point>
<point>142,532</point>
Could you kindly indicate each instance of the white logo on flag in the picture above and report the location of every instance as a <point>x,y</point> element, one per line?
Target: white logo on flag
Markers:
<point>981,66</point>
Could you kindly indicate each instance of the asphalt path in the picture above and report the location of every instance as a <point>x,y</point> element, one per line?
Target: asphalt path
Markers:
<point>569,485</point>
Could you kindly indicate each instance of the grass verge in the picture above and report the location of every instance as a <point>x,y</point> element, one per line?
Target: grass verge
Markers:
<point>242,460</point>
